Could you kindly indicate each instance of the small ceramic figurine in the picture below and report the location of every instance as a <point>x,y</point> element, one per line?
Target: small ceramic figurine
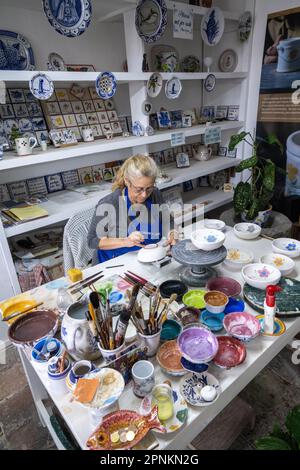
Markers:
<point>145,66</point>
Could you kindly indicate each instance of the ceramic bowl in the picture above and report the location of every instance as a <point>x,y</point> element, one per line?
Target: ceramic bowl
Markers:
<point>151,253</point>
<point>214,224</point>
<point>213,321</point>
<point>234,305</point>
<point>28,329</point>
<point>191,367</point>
<point>281,262</point>
<point>188,315</point>
<point>242,325</point>
<point>207,239</point>
<point>172,286</point>
<point>197,344</point>
<point>40,361</point>
<point>168,357</point>
<point>171,329</point>
<point>261,275</point>
<point>215,301</point>
<point>286,246</point>
<point>194,298</point>
<point>231,352</point>
<point>227,285</point>
<point>238,257</point>
<point>247,231</point>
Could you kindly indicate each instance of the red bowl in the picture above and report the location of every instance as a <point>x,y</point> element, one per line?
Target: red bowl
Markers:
<point>227,285</point>
<point>231,352</point>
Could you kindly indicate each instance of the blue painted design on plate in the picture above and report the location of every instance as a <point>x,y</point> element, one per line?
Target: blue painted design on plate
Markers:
<point>68,17</point>
<point>190,366</point>
<point>15,52</point>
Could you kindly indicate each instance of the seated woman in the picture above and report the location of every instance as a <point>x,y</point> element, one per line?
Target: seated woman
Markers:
<point>133,215</point>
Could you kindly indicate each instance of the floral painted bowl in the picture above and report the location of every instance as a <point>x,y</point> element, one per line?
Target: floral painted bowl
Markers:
<point>261,275</point>
<point>208,239</point>
<point>197,344</point>
<point>192,384</point>
<point>238,257</point>
<point>247,231</point>
<point>242,326</point>
<point>231,352</point>
<point>281,262</point>
<point>286,246</point>
<point>227,285</point>
<point>214,224</point>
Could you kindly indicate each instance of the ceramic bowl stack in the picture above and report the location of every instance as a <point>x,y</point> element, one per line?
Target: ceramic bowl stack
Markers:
<point>261,275</point>
<point>208,239</point>
<point>286,246</point>
<point>247,231</point>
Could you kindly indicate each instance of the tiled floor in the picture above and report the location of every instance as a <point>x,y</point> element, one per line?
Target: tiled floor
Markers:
<point>272,393</point>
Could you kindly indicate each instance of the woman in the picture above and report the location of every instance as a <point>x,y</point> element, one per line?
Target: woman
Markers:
<point>128,218</point>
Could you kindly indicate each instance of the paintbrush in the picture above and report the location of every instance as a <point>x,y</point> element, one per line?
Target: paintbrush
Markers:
<point>165,310</point>
<point>94,299</point>
<point>86,284</point>
<point>89,278</point>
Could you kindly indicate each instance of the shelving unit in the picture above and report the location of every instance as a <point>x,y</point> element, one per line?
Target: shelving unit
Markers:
<point>230,90</point>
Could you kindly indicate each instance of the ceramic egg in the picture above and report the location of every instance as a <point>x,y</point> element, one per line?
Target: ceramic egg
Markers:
<point>208,393</point>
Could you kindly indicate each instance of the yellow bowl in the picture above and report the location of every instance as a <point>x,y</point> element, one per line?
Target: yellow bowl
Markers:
<point>15,305</point>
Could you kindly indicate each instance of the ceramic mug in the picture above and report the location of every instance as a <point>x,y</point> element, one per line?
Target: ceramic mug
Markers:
<point>201,152</point>
<point>25,145</point>
<point>151,342</point>
<point>57,380</point>
<point>143,378</point>
<point>79,369</point>
<point>87,134</point>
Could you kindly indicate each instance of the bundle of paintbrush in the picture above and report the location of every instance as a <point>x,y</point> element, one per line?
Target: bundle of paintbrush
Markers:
<point>146,287</point>
<point>100,321</point>
<point>158,313</point>
<point>87,282</point>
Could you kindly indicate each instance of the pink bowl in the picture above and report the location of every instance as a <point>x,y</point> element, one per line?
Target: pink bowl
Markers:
<point>227,285</point>
<point>242,325</point>
<point>231,352</point>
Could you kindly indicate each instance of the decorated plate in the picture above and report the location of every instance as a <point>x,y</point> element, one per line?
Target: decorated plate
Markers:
<point>228,61</point>
<point>147,107</point>
<point>69,18</point>
<point>245,26</point>
<point>237,257</point>
<point>56,62</point>
<point>279,326</point>
<point>179,416</point>
<point>212,26</point>
<point>41,86</point>
<point>190,63</point>
<point>191,385</point>
<point>106,85</point>
<point>151,19</point>
<point>173,88</point>
<point>154,85</point>
<point>210,82</point>
<point>15,52</point>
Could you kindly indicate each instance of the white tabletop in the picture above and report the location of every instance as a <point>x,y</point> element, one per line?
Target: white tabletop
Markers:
<point>259,353</point>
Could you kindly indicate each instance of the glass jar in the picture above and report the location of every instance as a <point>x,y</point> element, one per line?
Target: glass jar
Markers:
<point>163,398</point>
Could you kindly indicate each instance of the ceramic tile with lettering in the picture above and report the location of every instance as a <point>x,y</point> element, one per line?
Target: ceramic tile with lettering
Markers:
<point>88,106</point>
<point>92,118</point>
<point>106,127</point>
<point>18,190</point>
<point>37,186</point>
<point>62,94</point>
<point>34,109</point>
<point>70,120</point>
<point>103,117</point>
<point>70,178</point>
<point>39,124</point>
<point>99,105</point>
<point>66,107</point>
<point>54,183</point>
<point>93,93</point>
<point>16,95</point>
<point>81,119</point>
<point>77,106</point>
<point>21,110</point>
<point>116,127</point>
<point>57,121</point>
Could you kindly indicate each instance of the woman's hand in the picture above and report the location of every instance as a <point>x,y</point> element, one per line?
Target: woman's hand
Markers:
<point>134,239</point>
<point>173,237</point>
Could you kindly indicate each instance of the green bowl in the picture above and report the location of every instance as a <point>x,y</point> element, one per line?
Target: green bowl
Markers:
<point>194,298</point>
<point>170,330</point>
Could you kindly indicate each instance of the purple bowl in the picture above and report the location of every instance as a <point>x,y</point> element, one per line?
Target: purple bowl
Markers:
<point>227,285</point>
<point>242,325</point>
<point>197,344</point>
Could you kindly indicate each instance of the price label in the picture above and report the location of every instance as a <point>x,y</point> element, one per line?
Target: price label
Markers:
<point>177,138</point>
<point>212,135</point>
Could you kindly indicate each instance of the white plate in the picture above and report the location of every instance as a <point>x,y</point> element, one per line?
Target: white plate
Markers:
<point>228,61</point>
<point>173,88</point>
<point>212,26</point>
<point>154,85</point>
<point>151,19</point>
<point>41,86</point>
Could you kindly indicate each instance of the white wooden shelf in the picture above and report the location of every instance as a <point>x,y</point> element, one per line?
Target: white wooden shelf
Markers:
<point>19,78</point>
<point>196,170</point>
<point>11,160</point>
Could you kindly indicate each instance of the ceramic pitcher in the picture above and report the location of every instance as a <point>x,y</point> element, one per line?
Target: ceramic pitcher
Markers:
<point>25,145</point>
<point>76,334</point>
<point>201,152</point>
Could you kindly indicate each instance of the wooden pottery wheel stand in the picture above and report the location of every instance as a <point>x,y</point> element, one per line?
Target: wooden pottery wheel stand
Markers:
<point>198,262</point>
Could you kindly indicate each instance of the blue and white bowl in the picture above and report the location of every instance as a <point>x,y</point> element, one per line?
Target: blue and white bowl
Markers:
<point>207,239</point>
<point>286,246</point>
<point>38,347</point>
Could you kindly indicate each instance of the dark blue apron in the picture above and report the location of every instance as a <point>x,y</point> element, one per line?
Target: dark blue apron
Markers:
<point>145,229</point>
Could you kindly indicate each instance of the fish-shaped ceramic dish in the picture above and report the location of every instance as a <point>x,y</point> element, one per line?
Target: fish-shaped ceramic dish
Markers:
<point>121,425</point>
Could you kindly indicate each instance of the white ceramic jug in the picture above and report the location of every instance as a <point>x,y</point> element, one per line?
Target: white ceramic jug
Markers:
<point>76,334</point>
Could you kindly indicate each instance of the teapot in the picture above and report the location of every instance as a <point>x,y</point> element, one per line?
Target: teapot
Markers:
<point>201,152</point>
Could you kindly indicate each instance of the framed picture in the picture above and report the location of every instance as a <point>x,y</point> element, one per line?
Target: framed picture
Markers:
<point>192,113</point>
<point>89,106</point>
<point>186,121</point>
<point>109,105</point>
<point>77,106</point>
<point>77,92</point>
<point>97,131</point>
<point>70,120</point>
<point>52,108</point>
<point>66,107</point>
<point>231,153</point>
<point>16,95</point>
<point>169,156</point>
<point>108,174</point>
<point>153,120</point>
<point>70,178</point>
<point>81,119</point>
<point>103,117</point>
<point>37,186</point>
<point>7,111</point>
<point>57,122</point>
<point>182,160</point>
<point>80,68</point>
<point>221,112</point>
<point>116,127</point>
<point>20,110</point>
<point>62,94</point>
<point>34,109</point>
<point>99,104</point>
<point>233,113</point>
<point>54,183</point>
<point>222,151</point>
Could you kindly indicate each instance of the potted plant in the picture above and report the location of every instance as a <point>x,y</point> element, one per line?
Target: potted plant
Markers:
<point>283,439</point>
<point>14,134</point>
<point>252,198</point>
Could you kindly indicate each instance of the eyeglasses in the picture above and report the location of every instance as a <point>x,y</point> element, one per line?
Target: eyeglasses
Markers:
<point>142,190</point>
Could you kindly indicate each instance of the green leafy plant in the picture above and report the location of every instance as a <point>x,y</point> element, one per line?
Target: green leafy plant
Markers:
<point>255,194</point>
<point>280,439</point>
<point>14,134</point>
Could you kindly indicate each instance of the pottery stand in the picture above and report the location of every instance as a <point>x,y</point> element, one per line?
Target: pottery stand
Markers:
<point>198,262</point>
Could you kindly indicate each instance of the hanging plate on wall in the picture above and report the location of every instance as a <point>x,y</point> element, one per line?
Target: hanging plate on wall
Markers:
<point>56,63</point>
<point>154,85</point>
<point>41,86</point>
<point>210,82</point>
<point>212,26</point>
<point>15,52</point>
<point>106,85</point>
<point>68,17</point>
<point>245,26</point>
<point>228,61</point>
<point>173,88</point>
<point>151,19</point>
